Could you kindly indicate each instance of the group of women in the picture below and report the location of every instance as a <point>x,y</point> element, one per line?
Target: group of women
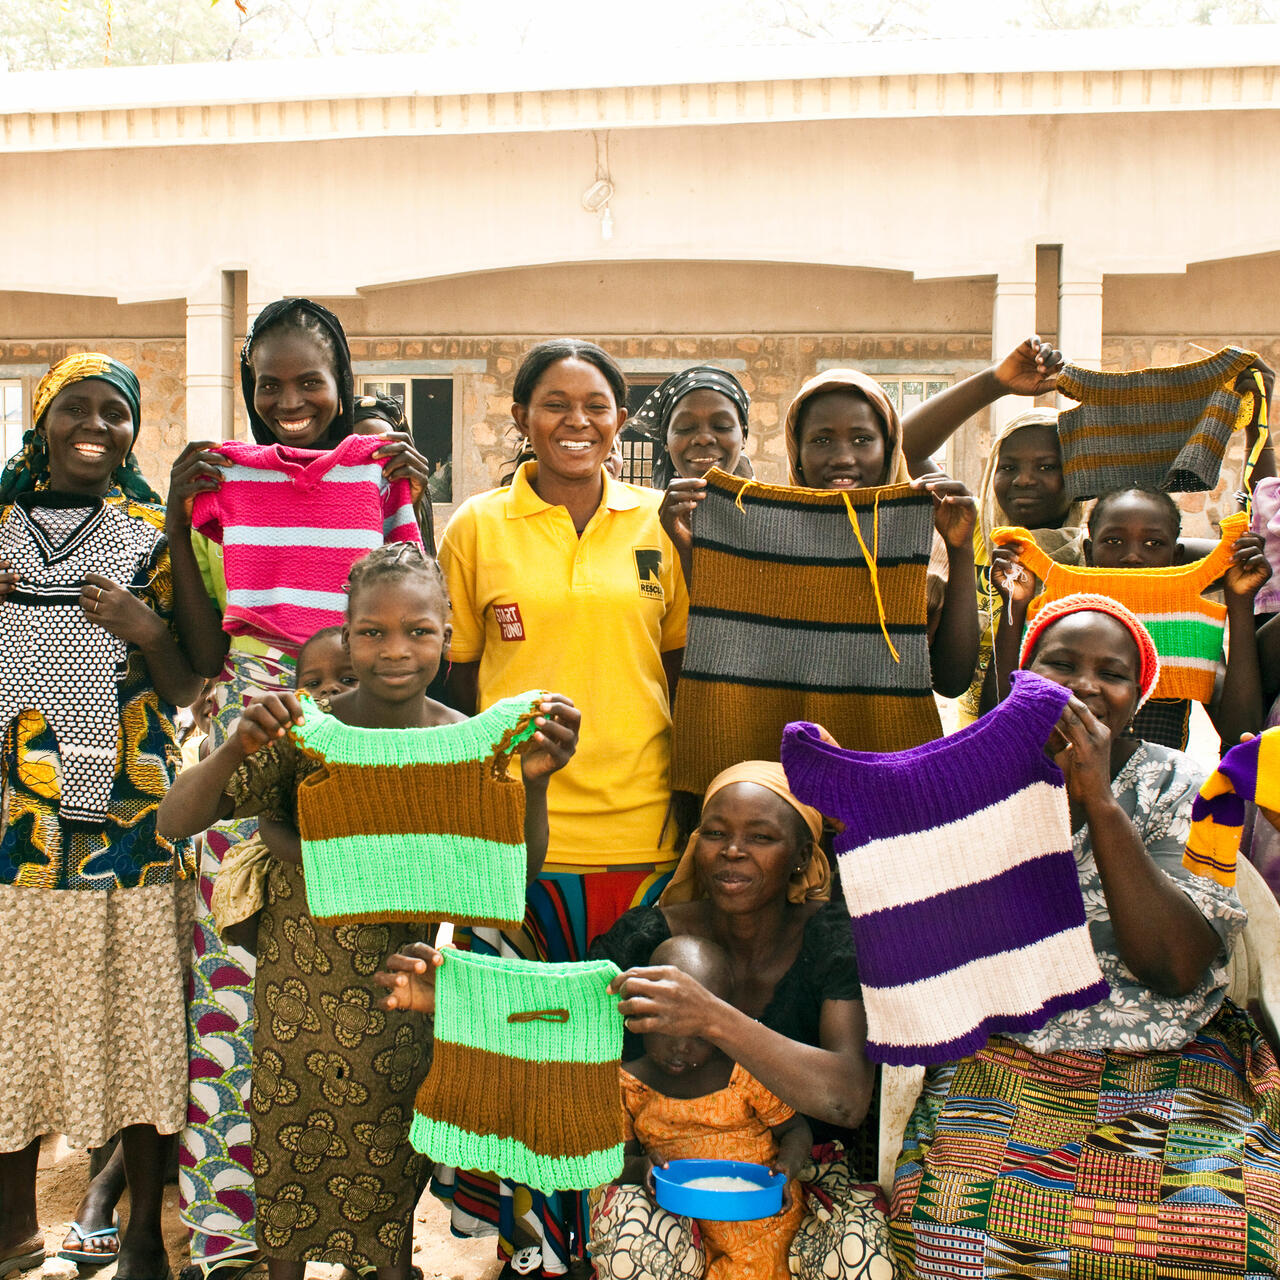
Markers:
<point>568,579</point>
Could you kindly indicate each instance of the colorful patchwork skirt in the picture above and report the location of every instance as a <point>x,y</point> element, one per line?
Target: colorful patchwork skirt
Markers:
<point>215,1173</point>
<point>1098,1165</point>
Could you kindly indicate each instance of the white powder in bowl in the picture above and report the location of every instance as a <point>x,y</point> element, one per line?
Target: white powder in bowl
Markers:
<point>722,1184</point>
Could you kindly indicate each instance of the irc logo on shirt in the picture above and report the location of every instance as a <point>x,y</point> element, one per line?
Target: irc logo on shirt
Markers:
<point>510,623</point>
<point>648,569</point>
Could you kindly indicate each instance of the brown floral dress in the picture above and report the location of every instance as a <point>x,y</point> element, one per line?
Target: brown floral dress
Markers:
<point>333,1075</point>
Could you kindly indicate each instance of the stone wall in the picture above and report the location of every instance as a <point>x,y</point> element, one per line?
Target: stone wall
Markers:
<point>775,366</point>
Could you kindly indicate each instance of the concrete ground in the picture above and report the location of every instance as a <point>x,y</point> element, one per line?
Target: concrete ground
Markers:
<point>64,1175</point>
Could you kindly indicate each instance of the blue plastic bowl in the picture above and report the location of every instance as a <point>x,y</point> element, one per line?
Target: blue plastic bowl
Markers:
<point>718,1206</point>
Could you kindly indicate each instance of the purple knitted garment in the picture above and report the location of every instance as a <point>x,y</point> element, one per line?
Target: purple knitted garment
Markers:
<point>959,877</point>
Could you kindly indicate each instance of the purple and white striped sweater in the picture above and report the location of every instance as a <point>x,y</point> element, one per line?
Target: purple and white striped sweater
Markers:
<point>959,878</point>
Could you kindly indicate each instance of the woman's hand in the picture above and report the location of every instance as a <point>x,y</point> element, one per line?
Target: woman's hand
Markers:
<point>1245,382</point>
<point>1249,569</point>
<point>402,461</point>
<point>1083,753</point>
<point>1011,578</point>
<point>267,718</point>
<point>197,469</point>
<point>8,578</point>
<point>676,511</point>
<point>410,979</point>
<point>954,511</point>
<point>1030,369</point>
<point>116,609</point>
<point>552,747</point>
<point>664,999</point>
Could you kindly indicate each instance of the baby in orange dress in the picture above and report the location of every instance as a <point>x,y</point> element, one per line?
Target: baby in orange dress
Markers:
<point>686,1100</point>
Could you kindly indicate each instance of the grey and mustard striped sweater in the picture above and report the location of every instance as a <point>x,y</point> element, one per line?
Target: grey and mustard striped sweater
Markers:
<point>1152,428</point>
<point>805,604</point>
<point>415,824</point>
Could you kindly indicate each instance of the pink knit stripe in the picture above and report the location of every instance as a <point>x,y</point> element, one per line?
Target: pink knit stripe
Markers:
<point>286,627</point>
<point>318,569</point>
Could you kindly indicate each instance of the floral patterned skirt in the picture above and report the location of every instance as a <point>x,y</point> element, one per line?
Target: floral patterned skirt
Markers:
<point>334,1079</point>
<point>215,1183</point>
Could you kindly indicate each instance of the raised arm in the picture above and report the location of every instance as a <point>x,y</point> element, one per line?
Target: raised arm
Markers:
<point>198,797</point>
<point>953,647</point>
<point>1030,369</point>
<point>197,469</point>
<point>1238,709</point>
<point>1160,934</point>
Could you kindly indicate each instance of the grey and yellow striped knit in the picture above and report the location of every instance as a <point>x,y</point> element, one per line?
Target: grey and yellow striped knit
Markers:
<point>1152,428</point>
<point>415,824</point>
<point>805,604</point>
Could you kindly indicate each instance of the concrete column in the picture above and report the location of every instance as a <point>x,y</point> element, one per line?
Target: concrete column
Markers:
<point>209,369</point>
<point>1013,320</point>
<point>1079,314</point>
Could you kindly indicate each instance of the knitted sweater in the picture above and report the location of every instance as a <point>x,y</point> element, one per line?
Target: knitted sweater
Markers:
<point>1186,627</point>
<point>958,874</point>
<point>524,1078</point>
<point>805,604</point>
<point>1249,771</point>
<point>1152,428</point>
<point>292,522</point>
<point>415,824</point>
<point>53,657</point>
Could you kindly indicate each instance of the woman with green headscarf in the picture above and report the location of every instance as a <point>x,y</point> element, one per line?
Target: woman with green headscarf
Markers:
<point>96,907</point>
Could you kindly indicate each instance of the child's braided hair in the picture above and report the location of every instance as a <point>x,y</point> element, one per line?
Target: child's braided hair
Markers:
<point>396,560</point>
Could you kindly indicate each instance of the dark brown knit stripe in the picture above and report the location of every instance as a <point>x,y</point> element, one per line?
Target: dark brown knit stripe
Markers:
<point>554,1108</point>
<point>860,722</point>
<point>459,799</point>
<point>813,593</point>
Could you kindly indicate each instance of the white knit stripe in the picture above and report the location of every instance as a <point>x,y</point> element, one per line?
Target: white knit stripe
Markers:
<point>298,536</point>
<point>904,869</point>
<point>1194,616</point>
<point>331,600</point>
<point>953,1003</point>
<point>1170,661</point>
<point>368,473</point>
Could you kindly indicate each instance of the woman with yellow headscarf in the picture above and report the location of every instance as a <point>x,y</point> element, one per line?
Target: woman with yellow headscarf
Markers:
<point>95,906</point>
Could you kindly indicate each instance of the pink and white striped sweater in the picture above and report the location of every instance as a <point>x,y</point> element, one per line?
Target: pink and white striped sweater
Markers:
<point>292,522</point>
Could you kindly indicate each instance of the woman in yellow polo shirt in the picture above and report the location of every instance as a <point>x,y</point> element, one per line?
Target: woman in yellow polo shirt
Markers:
<point>566,580</point>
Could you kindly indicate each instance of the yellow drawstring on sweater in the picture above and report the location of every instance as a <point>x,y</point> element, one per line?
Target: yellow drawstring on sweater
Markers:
<point>871,558</point>
<point>737,502</point>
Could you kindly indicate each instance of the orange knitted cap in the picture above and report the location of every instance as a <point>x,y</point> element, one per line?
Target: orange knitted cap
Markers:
<point>1148,659</point>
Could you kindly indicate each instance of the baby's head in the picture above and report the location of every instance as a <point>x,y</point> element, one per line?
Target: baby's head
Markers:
<point>708,965</point>
<point>324,666</point>
<point>1133,529</point>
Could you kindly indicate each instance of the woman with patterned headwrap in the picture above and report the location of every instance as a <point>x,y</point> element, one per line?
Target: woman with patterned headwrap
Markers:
<point>299,390</point>
<point>95,906</point>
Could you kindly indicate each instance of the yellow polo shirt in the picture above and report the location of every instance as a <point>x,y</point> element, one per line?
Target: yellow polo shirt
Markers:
<point>540,608</point>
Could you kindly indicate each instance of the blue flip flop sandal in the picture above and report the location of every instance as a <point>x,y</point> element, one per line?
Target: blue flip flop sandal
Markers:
<point>93,1258</point>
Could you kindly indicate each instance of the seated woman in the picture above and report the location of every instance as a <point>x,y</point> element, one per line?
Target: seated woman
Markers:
<point>1137,1137</point>
<point>754,880</point>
